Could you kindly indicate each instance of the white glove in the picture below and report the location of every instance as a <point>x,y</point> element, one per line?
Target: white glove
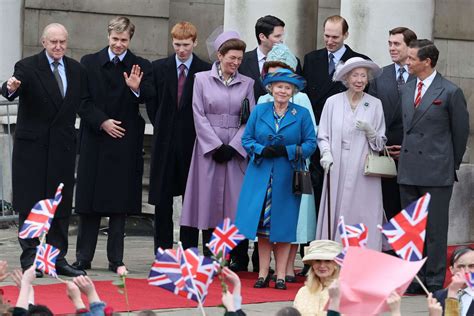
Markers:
<point>366,128</point>
<point>326,161</point>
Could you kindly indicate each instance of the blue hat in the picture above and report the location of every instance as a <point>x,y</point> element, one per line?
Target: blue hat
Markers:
<point>285,75</point>
<point>281,53</point>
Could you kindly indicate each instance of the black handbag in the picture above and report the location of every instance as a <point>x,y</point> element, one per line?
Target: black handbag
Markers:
<point>301,176</point>
<point>244,111</point>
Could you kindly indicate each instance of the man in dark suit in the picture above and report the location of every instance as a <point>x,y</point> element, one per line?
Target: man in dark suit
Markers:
<point>171,114</point>
<point>49,87</point>
<point>435,132</point>
<point>319,67</point>
<point>386,88</point>
<point>109,176</point>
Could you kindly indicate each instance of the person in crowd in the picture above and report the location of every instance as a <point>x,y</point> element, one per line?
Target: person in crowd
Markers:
<point>84,285</point>
<point>232,300</point>
<point>109,175</point>
<point>435,132</point>
<point>219,161</point>
<point>267,207</point>
<point>269,30</point>
<point>352,124</point>
<point>387,89</point>
<point>288,311</point>
<point>319,67</point>
<point>171,114</point>
<point>280,57</point>
<point>311,299</point>
<point>49,86</point>
<point>457,293</point>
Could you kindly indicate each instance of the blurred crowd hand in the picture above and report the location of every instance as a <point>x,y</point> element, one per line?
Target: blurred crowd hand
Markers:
<point>74,295</point>
<point>3,270</point>
<point>434,307</point>
<point>394,302</point>
<point>86,286</point>
<point>13,84</point>
<point>228,301</point>
<point>458,282</point>
<point>334,296</point>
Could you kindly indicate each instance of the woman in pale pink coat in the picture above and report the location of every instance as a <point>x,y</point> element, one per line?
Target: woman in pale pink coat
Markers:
<point>219,161</point>
<point>352,123</point>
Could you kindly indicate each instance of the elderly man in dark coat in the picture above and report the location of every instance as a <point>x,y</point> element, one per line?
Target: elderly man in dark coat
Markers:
<point>111,163</point>
<point>49,87</point>
<point>171,114</point>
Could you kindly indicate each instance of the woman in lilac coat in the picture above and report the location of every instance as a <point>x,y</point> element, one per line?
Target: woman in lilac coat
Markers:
<point>219,161</point>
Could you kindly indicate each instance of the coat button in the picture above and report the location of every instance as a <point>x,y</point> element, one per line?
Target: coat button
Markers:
<point>408,133</point>
<point>421,134</point>
<point>420,152</point>
<point>406,150</point>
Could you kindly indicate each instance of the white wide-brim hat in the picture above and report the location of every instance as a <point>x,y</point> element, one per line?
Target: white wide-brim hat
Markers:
<point>357,62</point>
<point>322,250</point>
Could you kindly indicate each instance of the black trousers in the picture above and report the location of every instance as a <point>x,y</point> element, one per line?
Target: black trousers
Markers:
<point>57,237</point>
<point>88,233</point>
<point>436,240</point>
<point>189,237</point>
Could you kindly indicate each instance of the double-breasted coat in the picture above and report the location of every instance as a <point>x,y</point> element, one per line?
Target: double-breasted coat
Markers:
<point>44,150</point>
<point>174,132</point>
<point>296,128</point>
<point>110,169</point>
<point>212,189</point>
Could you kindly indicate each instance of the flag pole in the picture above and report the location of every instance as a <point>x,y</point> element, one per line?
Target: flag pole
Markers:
<point>422,285</point>
<point>42,239</point>
<point>180,245</point>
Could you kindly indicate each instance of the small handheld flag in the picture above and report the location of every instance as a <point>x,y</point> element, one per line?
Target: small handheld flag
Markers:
<point>46,259</point>
<point>224,238</point>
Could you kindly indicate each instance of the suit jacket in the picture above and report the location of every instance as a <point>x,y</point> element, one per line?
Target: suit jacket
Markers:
<point>385,88</point>
<point>441,296</point>
<point>44,150</point>
<point>249,68</point>
<point>435,134</point>
<point>109,175</point>
<point>174,133</point>
<point>319,86</point>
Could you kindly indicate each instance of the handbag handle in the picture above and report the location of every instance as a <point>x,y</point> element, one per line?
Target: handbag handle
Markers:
<point>300,162</point>
<point>385,150</point>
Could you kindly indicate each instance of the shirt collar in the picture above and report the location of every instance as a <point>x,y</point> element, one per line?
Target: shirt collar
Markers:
<point>397,66</point>
<point>428,80</point>
<point>338,54</point>
<point>51,60</point>
<point>112,55</point>
<point>260,54</point>
<point>187,63</point>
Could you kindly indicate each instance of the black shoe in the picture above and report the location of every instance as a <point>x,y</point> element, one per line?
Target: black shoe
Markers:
<point>113,266</point>
<point>414,289</point>
<point>290,279</point>
<point>82,265</point>
<point>262,282</point>
<point>280,284</point>
<point>303,271</point>
<point>68,270</point>
<point>237,267</point>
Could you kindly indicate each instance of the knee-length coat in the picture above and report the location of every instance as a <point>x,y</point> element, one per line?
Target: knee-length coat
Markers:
<point>212,189</point>
<point>296,128</point>
<point>109,175</point>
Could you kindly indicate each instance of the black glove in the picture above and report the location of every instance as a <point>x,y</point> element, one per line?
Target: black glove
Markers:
<point>274,151</point>
<point>223,153</point>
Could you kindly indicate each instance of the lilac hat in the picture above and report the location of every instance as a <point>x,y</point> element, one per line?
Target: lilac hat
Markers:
<point>224,37</point>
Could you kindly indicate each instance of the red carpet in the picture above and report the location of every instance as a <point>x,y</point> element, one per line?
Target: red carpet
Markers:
<point>143,296</point>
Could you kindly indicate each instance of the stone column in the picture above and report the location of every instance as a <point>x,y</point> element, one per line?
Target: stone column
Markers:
<point>300,17</point>
<point>370,20</point>
<point>11,30</point>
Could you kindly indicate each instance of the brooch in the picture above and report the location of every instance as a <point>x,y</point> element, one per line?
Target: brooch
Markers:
<point>366,104</point>
<point>293,111</point>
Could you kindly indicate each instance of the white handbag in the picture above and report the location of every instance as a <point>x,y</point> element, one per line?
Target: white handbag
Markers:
<point>380,166</point>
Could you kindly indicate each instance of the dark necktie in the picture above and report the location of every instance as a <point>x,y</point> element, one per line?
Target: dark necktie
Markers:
<point>263,73</point>
<point>57,76</point>
<point>418,94</point>
<point>181,81</point>
<point>116,60</point>
<point>332,65</point>
<point>400,79</point>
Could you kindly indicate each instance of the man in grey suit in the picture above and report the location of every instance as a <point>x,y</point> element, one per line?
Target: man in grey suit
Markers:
<point>386,88</point>
<point>435,130</point>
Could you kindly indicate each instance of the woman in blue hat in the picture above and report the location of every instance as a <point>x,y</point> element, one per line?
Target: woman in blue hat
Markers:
<point>267,207</point>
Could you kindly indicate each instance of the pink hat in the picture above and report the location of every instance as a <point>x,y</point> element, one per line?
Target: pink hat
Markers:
<point>224,37</point>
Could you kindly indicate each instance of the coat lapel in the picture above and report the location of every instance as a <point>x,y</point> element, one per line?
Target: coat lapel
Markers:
<point>172,78</point>
<point>47,79</point>
<point>290,117</point>
<point>268,118</point>
<point>72,77</point>
<point>430,95</point>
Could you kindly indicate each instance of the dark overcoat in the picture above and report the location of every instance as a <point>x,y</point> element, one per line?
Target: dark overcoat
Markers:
<point>173,127</point>
<point>110,169</point>
<point>44,149</point>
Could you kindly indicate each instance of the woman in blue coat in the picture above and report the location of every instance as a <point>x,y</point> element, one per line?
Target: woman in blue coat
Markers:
<point>267,207</point>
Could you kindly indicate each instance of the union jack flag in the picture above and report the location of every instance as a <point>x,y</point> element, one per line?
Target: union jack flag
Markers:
<point>46,259</point>
<point>41,215</point>
<point>351,236</point>
<point>224,238</point>
<point>406,231</point>
<point>470,279</point>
